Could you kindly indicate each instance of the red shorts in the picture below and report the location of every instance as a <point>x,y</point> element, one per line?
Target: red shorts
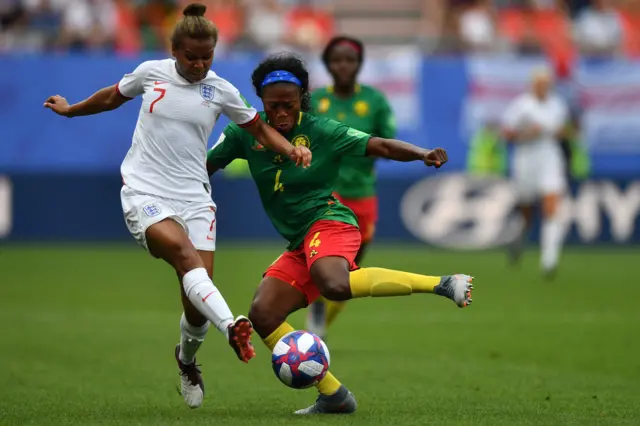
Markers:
<point>325,238</point>
<point>366,211</point>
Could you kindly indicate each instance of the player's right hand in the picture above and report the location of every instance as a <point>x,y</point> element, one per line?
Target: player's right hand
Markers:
<point>301,155</point>
<point>532,131</point>
<point>57,104</point>
<point>436,157</point>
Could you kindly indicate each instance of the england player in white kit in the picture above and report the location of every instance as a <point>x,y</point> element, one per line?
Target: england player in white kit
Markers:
<point>163,179</point>
<point>534,123</point>
<point>166,195</point>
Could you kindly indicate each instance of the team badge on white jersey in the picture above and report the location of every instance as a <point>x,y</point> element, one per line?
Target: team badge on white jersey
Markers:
<point>152,210</point>
<point>207,91</point>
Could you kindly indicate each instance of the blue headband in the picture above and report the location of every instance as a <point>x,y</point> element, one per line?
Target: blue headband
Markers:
<point>279,77</point>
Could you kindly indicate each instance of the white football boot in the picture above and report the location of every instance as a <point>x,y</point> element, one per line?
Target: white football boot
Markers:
<point>191,383</point>
<point>457,288</point>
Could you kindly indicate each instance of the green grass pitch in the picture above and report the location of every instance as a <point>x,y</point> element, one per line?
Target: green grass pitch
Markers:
<point>87,336</point>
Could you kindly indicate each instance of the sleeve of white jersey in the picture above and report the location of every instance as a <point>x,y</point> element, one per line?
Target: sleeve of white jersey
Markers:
<point>235,107</point>
<point>511,118</point>
<point>132,84</point>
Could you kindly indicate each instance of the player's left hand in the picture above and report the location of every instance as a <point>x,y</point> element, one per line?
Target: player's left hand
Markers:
<point>436,157</point>
<point>301,155</point>
<point>57,104</point>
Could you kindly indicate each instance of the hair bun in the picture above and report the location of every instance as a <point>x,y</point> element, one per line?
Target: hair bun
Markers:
<point>194,9</point>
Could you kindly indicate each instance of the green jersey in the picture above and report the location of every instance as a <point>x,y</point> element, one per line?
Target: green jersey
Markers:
<point>293,197</point>
<point>367,110</point>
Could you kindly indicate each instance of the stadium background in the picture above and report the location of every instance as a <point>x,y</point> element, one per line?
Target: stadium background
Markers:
<point>73,285</point>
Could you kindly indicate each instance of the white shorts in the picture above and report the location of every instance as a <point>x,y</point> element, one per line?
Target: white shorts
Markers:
<point>143,210</point>
<point>538,172</point>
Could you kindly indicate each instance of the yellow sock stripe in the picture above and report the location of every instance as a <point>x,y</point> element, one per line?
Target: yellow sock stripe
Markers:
<point>272,339</point>
<point>328,385</point>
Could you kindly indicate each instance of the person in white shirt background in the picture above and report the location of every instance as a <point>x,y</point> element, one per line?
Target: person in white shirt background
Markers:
<point>166,195</point>
<point>534,123</point>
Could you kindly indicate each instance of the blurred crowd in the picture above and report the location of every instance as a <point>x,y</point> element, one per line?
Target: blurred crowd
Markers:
<point>558,28</point>
<point>132,26</point>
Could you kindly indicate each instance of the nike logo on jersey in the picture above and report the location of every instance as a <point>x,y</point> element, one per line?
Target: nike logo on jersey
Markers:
<point>159,82</point>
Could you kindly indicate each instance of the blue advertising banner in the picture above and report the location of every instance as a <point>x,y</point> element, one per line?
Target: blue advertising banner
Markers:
<point>439,102</point>
<point>448,210</point>
<point>36,140</point>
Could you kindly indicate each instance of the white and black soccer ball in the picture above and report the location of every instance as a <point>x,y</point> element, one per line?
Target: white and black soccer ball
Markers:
<point>300,359</point>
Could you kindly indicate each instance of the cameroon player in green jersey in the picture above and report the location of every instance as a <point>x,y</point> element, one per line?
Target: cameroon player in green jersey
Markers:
<point>322,233</point>
<point>366,109</point>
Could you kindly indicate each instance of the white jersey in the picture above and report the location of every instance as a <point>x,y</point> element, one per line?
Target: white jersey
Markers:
<point>538,166</point>
<point>168,154</point>
<point>550,115</point>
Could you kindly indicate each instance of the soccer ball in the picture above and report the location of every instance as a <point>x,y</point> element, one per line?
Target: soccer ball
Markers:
<point>300,359</point>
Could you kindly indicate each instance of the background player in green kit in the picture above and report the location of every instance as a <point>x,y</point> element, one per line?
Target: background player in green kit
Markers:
<point>366,109</point>
<point>323,235</point>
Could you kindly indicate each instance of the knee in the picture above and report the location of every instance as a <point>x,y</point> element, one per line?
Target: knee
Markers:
<point>550,210</point>
<point>263,318</point>
<point>184,258</point>
<point>550,207</point>
<point>331,276</point>
<point>335,289</point>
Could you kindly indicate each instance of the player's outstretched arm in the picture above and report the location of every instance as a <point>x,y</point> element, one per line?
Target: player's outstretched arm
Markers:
<point>270,138</point>
<point>402,151</point>
<point>106,99</point>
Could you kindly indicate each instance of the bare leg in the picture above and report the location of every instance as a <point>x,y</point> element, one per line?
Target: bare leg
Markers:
<point>551,234</point>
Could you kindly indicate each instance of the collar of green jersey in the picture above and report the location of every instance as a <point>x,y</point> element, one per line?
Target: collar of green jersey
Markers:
<point>297,124</point>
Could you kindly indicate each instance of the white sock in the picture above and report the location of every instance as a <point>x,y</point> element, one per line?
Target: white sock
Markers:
<point>191,337</point>
<point>550,242</point>
<point>207,299</point>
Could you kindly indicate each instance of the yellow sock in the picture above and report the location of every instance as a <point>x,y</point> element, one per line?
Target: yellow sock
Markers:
<point>333,309</point>
<point>273,339</point>
<point>328,385</point>
<point>380,282</point>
